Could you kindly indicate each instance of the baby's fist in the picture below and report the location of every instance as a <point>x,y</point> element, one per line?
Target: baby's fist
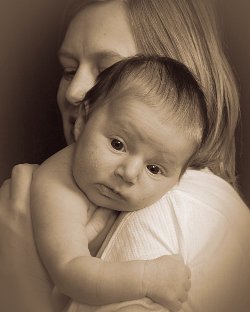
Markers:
<point>167,281</point>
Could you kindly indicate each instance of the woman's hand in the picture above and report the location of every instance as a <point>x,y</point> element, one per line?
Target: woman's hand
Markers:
<point>24,284</point>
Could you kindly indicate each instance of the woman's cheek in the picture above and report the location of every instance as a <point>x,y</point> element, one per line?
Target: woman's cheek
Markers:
<point>63,85</point>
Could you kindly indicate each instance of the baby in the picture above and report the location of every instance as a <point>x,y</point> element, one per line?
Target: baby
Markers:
<point>140,127</point>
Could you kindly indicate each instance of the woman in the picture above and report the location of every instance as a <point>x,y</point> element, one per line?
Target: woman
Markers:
<point>94,40</point>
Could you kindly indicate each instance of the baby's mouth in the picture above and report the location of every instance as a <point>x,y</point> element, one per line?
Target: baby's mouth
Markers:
<point>109,192</point>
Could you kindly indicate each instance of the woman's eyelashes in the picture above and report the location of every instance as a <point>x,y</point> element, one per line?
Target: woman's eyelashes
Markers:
<point>105,61</point>
<point>101,69</point>
<point>97,67</point>
<point>68,73</point>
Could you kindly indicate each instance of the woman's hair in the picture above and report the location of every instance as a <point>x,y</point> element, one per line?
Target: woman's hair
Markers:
<point>185,30</point>
<point>162,83</point>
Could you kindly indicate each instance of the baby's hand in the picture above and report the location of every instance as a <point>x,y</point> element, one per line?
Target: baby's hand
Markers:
<point>167,281</point>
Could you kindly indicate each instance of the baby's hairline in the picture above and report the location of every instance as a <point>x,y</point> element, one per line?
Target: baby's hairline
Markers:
<point>155,81</point>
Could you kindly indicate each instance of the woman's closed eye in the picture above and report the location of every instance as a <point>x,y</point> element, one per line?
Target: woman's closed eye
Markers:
<point>69,73</point>
<point>106,59</point>
<point>101,69</point>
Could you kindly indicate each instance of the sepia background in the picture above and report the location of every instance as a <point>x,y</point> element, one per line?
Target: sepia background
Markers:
<point>30,125</point>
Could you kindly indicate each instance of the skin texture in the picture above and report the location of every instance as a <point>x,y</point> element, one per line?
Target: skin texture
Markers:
<point>127,160</point>
<point>92,43</point>
<point>14,196</point>
<point>86,50</point>
<point>14,204</point>
<point>123,160</point>
<point>20,263</point>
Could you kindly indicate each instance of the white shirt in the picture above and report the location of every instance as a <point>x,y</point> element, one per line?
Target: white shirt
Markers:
<point>203,219</point>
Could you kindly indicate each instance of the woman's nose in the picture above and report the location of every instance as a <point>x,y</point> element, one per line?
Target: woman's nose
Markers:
<point>129,171</point>
<point>79,86</point>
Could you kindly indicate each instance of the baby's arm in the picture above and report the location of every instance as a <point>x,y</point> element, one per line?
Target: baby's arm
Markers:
<point>59,216</point>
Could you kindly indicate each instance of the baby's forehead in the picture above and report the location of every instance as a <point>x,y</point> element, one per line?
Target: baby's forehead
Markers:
<point>142,128</point>
<point>127,101</point>
<point>135,115</point>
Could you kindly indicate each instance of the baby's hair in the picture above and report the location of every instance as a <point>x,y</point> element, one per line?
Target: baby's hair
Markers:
<point>186,31</point>
<point>162,83</point>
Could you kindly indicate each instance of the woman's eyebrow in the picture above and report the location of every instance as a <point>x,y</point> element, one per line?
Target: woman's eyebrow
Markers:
<point>104,54</point>
<point>66,54</point>
<point>108,54</point>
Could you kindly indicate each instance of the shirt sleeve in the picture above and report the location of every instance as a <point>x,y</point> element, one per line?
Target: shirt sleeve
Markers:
<point>205,221</point>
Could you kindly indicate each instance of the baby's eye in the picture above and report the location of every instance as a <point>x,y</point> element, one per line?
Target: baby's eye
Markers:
<point>154,169</point>
<point>117,145</point>
<point>68,73</point>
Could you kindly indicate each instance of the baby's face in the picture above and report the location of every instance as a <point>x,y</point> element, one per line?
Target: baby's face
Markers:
<point>126,158</point>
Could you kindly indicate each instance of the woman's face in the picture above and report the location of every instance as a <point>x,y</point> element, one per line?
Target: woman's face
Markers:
<point>96,38</point>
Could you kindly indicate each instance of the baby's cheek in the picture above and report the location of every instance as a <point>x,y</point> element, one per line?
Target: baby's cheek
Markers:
<point>139,201</point>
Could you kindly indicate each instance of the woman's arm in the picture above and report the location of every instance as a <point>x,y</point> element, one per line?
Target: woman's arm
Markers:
<point>24,284</point>
<point>59,214</point>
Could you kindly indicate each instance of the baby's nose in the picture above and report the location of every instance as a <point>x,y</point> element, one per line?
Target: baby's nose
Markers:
<point>130,170</point>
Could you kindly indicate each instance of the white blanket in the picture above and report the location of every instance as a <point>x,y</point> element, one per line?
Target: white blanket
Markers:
<point>204,220</point>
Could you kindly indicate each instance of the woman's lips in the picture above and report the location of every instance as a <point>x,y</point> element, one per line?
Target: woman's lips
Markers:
<point>71,123</point>
<point>72,120</point>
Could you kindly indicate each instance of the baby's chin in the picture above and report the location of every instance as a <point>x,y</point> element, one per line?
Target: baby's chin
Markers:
<point>128,207</point>
<point>122,206</point>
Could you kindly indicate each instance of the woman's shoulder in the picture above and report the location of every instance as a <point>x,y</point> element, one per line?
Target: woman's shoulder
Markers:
<point>206,188</point>
<point>202,206</point>
<point>204,193</point>
<point>199,217</point>
<point>193,179</point>
<point>211,205</point>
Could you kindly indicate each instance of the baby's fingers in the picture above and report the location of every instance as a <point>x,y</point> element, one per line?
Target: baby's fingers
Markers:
<point>187,285</point>
<point>175,306</point>
<point>176,301</point>
<point>183,297</point>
